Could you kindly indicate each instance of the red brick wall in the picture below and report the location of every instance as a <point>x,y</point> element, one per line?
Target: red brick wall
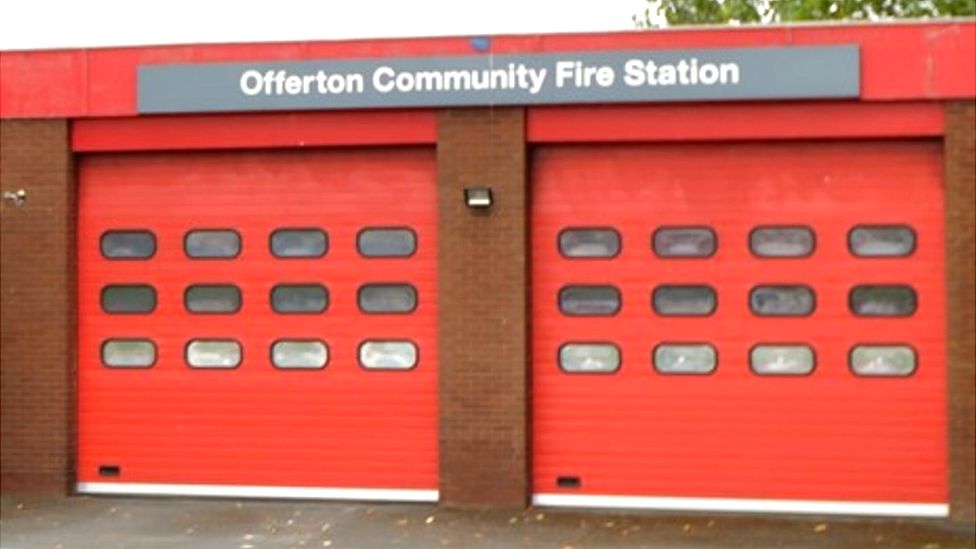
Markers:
<point>960,178</point>
<point>483,300</point>
<point>36,306</point>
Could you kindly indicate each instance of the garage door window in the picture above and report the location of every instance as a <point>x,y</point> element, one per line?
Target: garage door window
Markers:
<point>881,240</point>
<point>781,241</point>
<point>883,360</point>
<point>782,300</point>
<point>213,353</point>
<point>387,298</point>
<point>788,360</point>
<point>298,243</point>
<point>388,355</point>
<point>128,353</point>
<point>589,243</point>
<point>589,358</point>
<point>589,300</point>
<point>212,298</point>
<point>685,358</point>
<point>299,298</point>
<point>386,242</point>
<point>212,244</point>
<point>684,242</point>
<point>128,245</point>
<point>684,300</point>
<point>129,299</point>
<point>895,300</point>
<point>300,354</point>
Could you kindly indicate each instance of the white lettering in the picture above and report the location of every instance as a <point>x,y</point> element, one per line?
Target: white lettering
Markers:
<point>405,82</point>
<point>686,72</point>
<point>667,75</point>
<point>708,74</point>
<point>538,78</point>
<point>274,79</point>
<point>729,72</point>
<point>457,80</point>
<point>293,85</point>
<point>383,79</point>
<point>564,71</point>
<point>251,82</point>
<point>634,73</point>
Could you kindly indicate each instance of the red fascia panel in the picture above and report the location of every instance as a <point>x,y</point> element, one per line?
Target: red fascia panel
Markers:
<point>43,84</point>
<point>723,121</point>
<point>249,131</point>
<point>900,61</point>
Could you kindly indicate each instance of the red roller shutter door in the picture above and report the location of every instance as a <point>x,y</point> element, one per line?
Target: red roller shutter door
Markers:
<point>340,431</point>
<point>828,441</point>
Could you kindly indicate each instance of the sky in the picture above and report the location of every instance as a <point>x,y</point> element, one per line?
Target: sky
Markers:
<point>52,24</point>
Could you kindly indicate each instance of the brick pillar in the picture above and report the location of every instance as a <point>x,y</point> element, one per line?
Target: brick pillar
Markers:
<point>960,184</point>
<point>483,307</point>
<point>37,306</point>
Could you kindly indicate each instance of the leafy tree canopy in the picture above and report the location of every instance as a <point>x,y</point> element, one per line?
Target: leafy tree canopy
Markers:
<point>700,12</point>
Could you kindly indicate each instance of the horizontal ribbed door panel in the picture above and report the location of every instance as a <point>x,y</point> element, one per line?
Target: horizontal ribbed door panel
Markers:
<point>341,426</point>
<point>826,436</point>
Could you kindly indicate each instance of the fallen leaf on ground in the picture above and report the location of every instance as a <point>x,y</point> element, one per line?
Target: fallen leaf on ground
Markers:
<point>820,528</point>
<point>429,520</point>
<point>686,528</point>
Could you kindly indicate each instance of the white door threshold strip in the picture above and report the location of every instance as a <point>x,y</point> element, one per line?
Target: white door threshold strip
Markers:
<point>271,492</point>
<point>870,508</point>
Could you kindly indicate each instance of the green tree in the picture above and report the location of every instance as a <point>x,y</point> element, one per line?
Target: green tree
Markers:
<point>700,12</point>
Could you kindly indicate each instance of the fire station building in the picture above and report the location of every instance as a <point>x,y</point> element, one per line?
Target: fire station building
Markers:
<point>721,269</point>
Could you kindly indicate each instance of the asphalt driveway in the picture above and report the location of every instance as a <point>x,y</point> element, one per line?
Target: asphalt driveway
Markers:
<point>108,522</point>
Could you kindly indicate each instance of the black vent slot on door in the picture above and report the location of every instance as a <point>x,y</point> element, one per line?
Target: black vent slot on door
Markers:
<point>109,470</point>
<point>568,482</point>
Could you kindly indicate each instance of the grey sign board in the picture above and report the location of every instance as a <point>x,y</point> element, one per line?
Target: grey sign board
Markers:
<point>721,74</point>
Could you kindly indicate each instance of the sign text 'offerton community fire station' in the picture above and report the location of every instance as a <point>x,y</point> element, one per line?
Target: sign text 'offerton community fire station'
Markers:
<point>487,79</point>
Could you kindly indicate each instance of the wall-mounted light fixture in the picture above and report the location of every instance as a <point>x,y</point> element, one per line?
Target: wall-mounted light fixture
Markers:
<point>17,198</point>
<point>477,197</point>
